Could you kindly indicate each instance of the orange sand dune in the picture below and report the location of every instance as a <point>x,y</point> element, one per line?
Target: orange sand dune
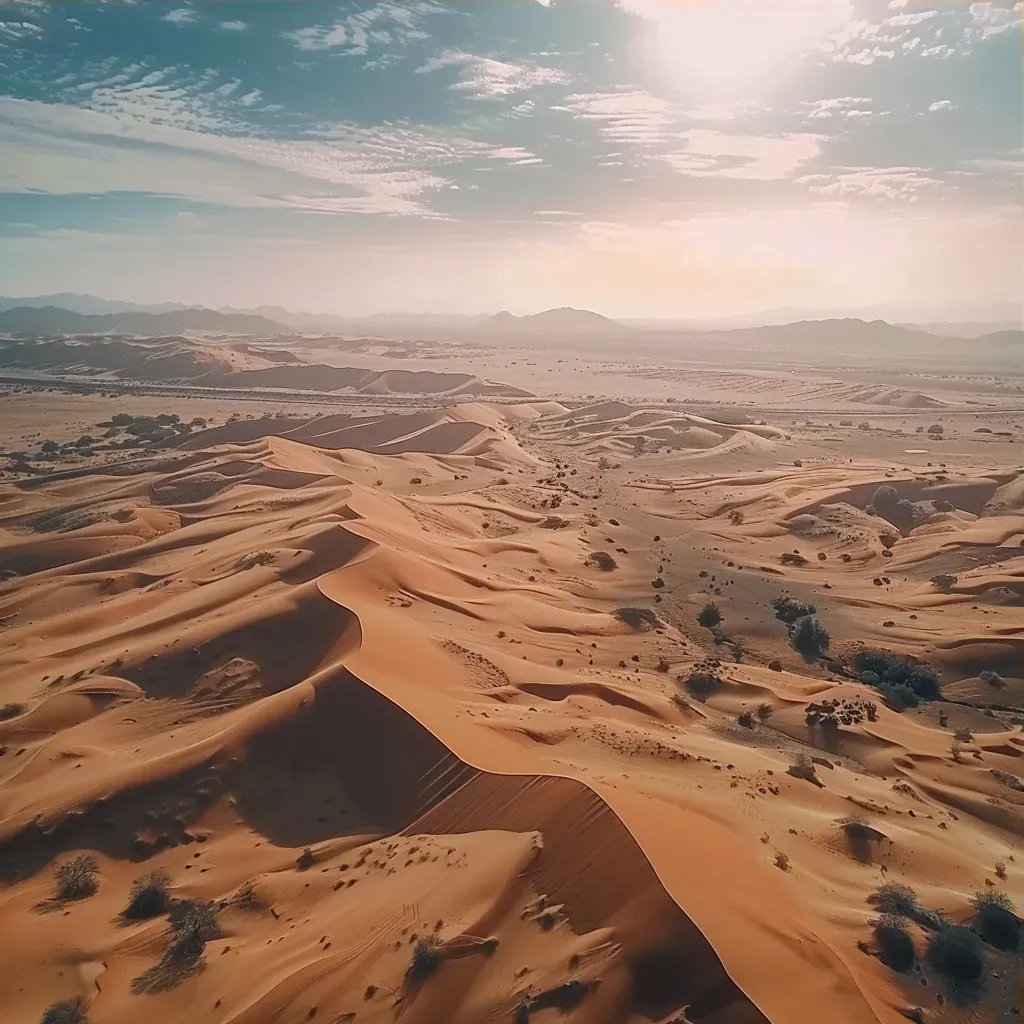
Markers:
<point>364,686</point>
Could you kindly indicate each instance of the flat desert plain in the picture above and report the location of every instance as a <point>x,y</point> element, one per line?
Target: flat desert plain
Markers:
<point>619,693</point>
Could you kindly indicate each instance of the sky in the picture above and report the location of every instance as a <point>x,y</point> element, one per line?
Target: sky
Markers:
<point>646,158</point>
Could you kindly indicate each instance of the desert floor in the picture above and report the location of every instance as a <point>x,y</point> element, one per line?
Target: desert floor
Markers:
<point>419,684</point>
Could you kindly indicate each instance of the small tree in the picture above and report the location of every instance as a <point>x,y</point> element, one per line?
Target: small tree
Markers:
<point>809,637</point>
<point>709,616</point>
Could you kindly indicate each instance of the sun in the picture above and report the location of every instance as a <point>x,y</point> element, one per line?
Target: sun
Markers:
<point>718,50</point>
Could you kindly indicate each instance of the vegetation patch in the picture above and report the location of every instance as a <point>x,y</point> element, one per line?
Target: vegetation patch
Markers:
<point>903,682</point>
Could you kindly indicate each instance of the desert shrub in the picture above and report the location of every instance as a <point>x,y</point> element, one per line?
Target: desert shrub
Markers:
<point>604,463</point>
<point>305,860</point>
<point>809,637</point>
<point>957,954</point>
<point>709,616</point>
<point>895,899</point>
<point>49,446</point>
<point>67,1011</point>
<point>993,679</point>
<point>12,710</point>
<point>702,679</point>
<point>76,879</point>
<point>426,958</point>
<point>640,619</point>
<point>149,897</point>
<point>765,711</point>
<point>792,558</point>
<point>995,920</point>
<point>883,668</point>
<point>945,580</point>
<point>601,560</point>
<point>936,428</point>
<point>746,719</point>
<point>248,897</point>
<point>887,503</point>
<point>663,665</point>
<point>782,861</point>
<point>788,609</point>
<point>195,917</point>
<point>895,946</point>
<point>804,768</point>
<point>254,559</point>
<point>963,735</point>
<point>193,924</point>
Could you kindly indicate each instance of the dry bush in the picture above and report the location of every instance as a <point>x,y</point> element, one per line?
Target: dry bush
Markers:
<point>895,946</point>
<point>149,897</point>
<point>804,768</point>
<point>67,1011</point>
<point>601,560</point>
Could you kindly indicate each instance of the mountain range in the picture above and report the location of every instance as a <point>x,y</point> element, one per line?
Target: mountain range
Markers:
<point>54,320</point>
<point>960,321</point>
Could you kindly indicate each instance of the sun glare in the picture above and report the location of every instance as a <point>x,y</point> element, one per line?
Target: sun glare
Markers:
<point>724,49</point>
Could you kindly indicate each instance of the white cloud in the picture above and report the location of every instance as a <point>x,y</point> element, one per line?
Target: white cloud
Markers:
<point>941,105</point>
<point>485,77</point>
<point>359,29</point>
<point>902,183</point>
<point>181,16</point>
<point>234,26</point>
<point>868,56</point>
<point>636,116</point>
<point>760,157</point>
<point>16,30</point>
<point>146,142</point>
<point>910,19</point>
<point>992,19</point>
<point>837,106</point>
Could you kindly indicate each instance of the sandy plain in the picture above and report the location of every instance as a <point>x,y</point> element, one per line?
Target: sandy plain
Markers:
<point>396,698</point>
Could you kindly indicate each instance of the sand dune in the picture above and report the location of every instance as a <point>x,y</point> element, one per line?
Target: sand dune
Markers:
<point>229,364</point>
<point>362,683</point>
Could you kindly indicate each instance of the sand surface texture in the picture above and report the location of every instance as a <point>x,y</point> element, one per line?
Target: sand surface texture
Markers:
<point>399,717</point>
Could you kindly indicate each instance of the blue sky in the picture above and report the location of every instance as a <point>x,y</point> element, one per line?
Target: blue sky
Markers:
<point>641,157</point>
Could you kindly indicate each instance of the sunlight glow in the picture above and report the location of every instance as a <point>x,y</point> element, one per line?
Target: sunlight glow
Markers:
<point>716,49</point>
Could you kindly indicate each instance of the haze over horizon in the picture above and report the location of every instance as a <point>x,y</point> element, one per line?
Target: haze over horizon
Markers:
<point>640,158</point>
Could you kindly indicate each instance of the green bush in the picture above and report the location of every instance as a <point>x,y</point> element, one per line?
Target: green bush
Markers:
<point>709,616</point>
<point>809,637</point>
<point>895,946</point>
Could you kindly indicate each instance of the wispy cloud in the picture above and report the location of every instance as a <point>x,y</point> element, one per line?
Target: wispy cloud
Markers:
<point>891,183</point>
<point>840,106</point>
<point>234,26</point>
<point>634,116</point>
<point>380,23</point>
<point>941,105</point>
<point>181,16</point>
<point>991,19</point>
<point>485,77</point>
<point>755,157</point>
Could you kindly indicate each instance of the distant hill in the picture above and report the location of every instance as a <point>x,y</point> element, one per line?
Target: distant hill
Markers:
<point>88,304</point>
<point>564,320</point>
<point>1004,337</point>
<point>52,320</point>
